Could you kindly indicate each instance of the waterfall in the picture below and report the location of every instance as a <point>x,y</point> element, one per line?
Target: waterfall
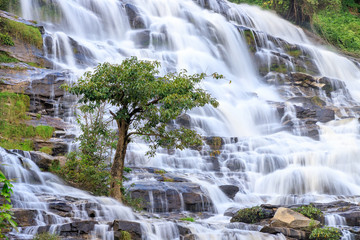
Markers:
<point>259,154</point>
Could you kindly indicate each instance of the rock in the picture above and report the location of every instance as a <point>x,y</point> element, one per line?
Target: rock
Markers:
<point>22,50</point>
<point>25,217</point>
<point>135,19</point>
<point>230,212</point>
<point>215,143</point>
<point>171,196</point>
<point>184,120</point>
<point>58,146</point>
<point>77,228</point>
<point>288,232</point>
<point>285,217</point>
<point>141,38</point>
<point>45,161</point>
<point>134,228</point>
<point>229,190</point>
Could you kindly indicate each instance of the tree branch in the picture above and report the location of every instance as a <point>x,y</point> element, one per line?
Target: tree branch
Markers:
<point>145,134</point>
<point>140,109</point>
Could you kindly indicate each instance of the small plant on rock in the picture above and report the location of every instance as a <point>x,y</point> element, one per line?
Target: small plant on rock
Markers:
<point>309,211</point>
<point>249,215</point>
<point>189,219</point>
<point>46,236</point>
<point>325,233</point>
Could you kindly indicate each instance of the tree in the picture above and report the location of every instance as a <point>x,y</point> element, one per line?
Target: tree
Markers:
<point>88,167</point>
<point>143,104</point>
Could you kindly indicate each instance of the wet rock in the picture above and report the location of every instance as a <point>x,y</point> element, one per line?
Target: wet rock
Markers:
<point>287,218</point>
<point>230,212</point>
<point>141,38</point>
<point>135,19</point>
<point>25,217</point>
<point>288,232</point>
<point>184,120</point>
<point>77,228</point>
<point>54,122</point>
<point>229,190</point>
<point>134,228</point>
<point>171,196</point>
<point>58,146</point>
<point>215,143</point>
<point>45,161</point>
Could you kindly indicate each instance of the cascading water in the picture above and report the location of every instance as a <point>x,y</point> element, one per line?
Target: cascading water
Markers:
<point>268,163</point>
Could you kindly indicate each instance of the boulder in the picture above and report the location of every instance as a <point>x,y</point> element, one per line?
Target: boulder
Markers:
<point>287,218</point>
<point>25,217</point>
<point>134,228</point>
<point>135,19</point>
<point>184,120</point>
<point>45,161</point>
<point>229,190</point>
<point>171,196</point>
<point>58,146</point>
<point>288,232</point>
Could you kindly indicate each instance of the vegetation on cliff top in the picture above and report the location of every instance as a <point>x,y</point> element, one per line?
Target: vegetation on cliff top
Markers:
<point>337,21</point>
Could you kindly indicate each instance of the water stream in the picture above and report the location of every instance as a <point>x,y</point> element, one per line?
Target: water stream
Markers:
<point>267,163</point>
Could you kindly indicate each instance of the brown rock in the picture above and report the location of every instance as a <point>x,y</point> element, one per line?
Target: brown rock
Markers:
<point>288,218</point>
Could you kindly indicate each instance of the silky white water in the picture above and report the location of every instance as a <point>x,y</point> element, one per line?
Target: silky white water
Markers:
<point>268,164</point>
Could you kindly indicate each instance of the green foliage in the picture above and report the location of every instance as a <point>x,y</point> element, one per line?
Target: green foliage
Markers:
<point>6,216</point>
<point>46,236</point>
<point>339,28</point>
<point>144,101</point>
<point>5,58</point>
<point>125,235</point>
<point>6,39</point>
<point>10,5</point>
<point>46,150</point>
<point>189,219</point>
<point>144,105</point>
<point>249,215</point>
<point>88,167</point>
<point>45,132</point>
<point>309,211</point>
<point>18,30</point>
<point>325,233</point>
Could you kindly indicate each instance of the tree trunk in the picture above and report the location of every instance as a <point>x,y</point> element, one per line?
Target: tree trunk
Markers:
<point>117,167</point>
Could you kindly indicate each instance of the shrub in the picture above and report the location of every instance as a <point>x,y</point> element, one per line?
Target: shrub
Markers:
<point>325,233</point>
<point>6,39</point>
<point>45,132</point>
<point>249,215</point>
<point>125,235</point>
<point>46,236</point>
<point>309,211</point>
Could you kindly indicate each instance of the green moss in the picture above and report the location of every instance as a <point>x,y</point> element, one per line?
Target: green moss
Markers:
<point>294,53</point>
<point>46,150</point>
<point>280,68</point>
<point>317,101</point>
<point>25,145</point>
<point>45,132</point>
<point>125,235</point>
<point>21,31</point>
<point>14,106</point>
<point>5,58</point>
<point>46,236</point>
<point>189,219</point>
<point>250,40</point>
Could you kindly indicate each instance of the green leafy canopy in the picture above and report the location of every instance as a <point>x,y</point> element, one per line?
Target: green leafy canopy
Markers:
<point>145,101</point>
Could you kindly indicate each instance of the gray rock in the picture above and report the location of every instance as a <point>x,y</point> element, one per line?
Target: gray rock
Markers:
<point>229,190</point>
